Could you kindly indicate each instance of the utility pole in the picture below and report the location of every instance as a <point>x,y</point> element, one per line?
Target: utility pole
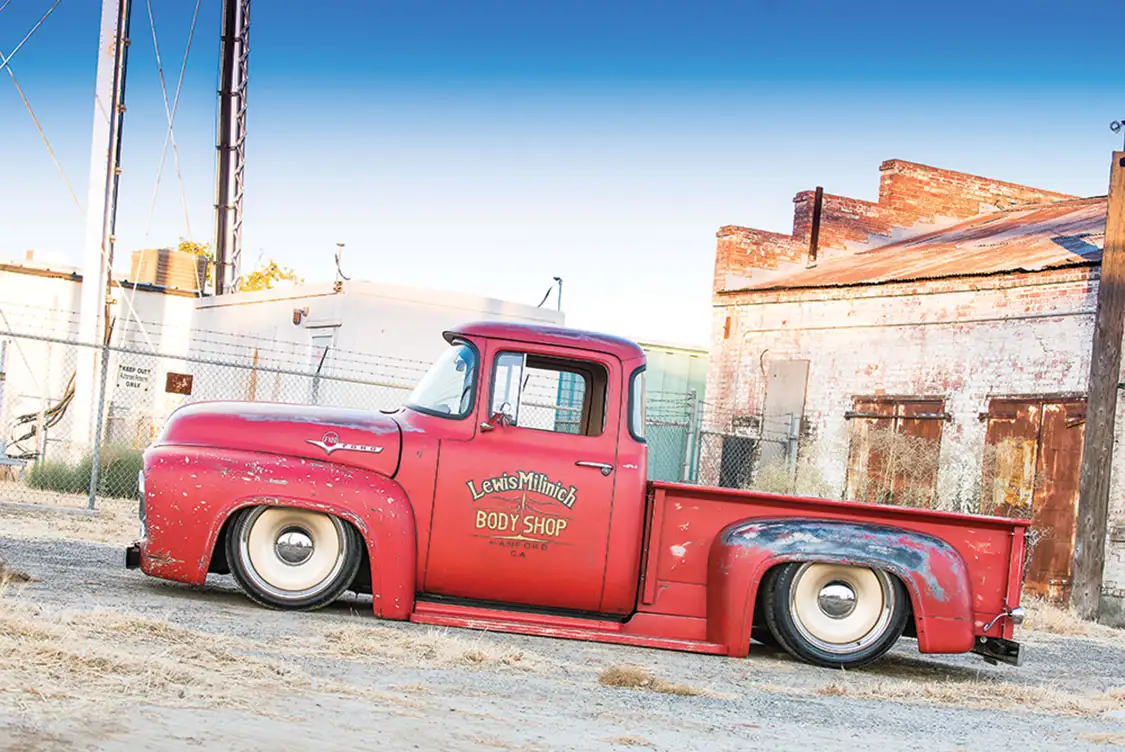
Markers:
<point>230,165</point>
<point>101,210</point>
<point>1101,405</point>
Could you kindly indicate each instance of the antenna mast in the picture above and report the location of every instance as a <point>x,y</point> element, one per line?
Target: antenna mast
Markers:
<point>230,167</point>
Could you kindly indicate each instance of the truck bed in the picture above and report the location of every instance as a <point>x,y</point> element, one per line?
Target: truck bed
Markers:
<point>684,521</point>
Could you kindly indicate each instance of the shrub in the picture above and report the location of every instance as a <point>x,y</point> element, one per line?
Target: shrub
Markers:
<point>774,477</point>
<point>60,477</point>
<point>118,471</point>
<point>118,468</point>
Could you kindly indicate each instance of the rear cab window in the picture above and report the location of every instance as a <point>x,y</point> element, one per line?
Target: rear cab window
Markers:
<point>637,404</point>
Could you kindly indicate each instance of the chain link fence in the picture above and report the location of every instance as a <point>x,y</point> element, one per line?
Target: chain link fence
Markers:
<point>47,458</point>
<point>748,450</point>
<point>151,369</point>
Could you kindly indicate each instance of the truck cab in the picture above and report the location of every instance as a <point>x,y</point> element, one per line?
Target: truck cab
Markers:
<point>538,497</point>
<point>510,492</point>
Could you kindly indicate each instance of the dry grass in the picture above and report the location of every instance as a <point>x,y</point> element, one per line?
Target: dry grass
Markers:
<point>9,575</point>
<point>413,647</point>
<point>1116,740</point>
<point>51,656</point>
<point>891,467</point>
<point>95,660</point>
<point>630,741</point>
<point>774,477</point>
<point>981,694</point>
<point>489,741</point>
<point>114,521</point>
<point>634,677</point>
<point>1044,616</point>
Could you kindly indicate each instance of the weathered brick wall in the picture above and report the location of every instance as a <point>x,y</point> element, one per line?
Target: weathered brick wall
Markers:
<point>963,340</point>
<point>740,249</point>
<point>914,192</point>
<point>913,199</point>
<point>844,222</point>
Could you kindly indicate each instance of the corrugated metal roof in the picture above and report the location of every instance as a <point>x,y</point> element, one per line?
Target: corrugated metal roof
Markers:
<point>1046,236</point>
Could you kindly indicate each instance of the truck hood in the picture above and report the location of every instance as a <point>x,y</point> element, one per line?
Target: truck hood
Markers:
<point>369,441</point>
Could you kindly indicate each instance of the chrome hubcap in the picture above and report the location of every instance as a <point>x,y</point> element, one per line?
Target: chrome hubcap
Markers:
<point>839,608</point>
<point>294,546</point>
<point>836,600</point>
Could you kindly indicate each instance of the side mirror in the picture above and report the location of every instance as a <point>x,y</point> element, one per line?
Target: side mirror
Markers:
<point>498,420</point>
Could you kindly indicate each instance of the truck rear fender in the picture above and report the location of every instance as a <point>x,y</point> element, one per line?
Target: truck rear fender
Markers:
<point>933,572</point>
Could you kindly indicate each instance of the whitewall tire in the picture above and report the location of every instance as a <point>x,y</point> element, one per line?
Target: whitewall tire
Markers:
<point>290,558</point>
<point>834,615</point>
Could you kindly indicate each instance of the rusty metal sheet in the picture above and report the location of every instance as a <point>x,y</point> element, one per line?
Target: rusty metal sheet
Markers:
<point>894,459</point>
<point>865,466</point>
<point>1053,236</point>
<point>1031,471</point>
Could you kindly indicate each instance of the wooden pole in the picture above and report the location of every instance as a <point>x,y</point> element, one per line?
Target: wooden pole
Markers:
<point>1101,405</point>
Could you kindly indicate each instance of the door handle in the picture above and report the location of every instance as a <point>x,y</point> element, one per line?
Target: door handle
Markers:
<point>606,469</point>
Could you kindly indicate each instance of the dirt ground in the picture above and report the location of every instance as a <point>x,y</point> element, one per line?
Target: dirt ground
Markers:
<point>93,656</point>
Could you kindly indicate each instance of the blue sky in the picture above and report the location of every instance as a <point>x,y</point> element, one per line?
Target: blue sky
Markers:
<point>488,146</point>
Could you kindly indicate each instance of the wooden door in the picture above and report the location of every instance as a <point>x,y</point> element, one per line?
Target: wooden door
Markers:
<point>1032,462</point>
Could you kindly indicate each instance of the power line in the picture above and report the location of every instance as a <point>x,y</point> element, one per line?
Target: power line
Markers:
<point>170,114</point>
<point>6,60</point>
<point>42,135</point>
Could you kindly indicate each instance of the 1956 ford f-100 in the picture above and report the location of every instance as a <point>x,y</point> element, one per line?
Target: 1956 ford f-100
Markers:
<point>464,508</point>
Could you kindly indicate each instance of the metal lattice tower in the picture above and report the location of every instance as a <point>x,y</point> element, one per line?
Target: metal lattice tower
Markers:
<point>230,168</point>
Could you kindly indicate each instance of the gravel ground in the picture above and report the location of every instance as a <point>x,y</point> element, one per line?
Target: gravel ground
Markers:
<point>401,686</point>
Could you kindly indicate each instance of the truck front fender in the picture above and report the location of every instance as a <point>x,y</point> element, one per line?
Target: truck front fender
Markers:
<point>934,573</point>
<point>191,493</point>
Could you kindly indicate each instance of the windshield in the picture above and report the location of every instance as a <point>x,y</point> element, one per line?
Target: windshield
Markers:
<point>447,388</point>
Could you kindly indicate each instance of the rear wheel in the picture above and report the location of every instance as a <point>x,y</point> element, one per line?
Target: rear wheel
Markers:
<point>835,615</point>
<point>292,559</point>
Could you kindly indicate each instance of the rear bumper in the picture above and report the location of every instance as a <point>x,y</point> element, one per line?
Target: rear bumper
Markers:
<point>133,556</point>
<point>998,650</point>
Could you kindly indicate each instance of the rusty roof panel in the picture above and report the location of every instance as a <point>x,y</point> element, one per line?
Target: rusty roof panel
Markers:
<point>1046,236</point>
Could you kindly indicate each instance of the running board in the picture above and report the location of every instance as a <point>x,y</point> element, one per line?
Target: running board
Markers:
<point>543,625</point>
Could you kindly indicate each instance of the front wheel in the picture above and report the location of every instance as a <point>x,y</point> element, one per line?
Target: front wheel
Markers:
<point>292,559</point>
<point>835,615</point>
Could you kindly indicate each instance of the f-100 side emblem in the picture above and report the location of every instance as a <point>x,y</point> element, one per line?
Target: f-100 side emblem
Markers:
<point>330,443</point>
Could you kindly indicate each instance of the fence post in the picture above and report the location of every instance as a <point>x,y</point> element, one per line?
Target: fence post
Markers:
<point>685,474</point>
<point>794,433</point>
<point>316,377</point>
<point>98,425</point>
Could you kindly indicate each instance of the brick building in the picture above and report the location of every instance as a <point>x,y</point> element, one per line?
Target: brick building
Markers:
<point>936,353</point>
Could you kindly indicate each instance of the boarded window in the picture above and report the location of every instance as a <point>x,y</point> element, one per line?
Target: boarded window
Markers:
<point>895,444</point>
<point>1031,466</point>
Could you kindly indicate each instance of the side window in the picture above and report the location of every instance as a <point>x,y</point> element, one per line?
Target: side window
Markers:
<point>550,394</point>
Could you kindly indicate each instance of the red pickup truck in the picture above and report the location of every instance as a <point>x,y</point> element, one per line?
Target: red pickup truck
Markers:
<point>477,506</point>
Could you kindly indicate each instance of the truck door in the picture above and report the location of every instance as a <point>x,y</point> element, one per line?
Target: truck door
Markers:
<point>522,510</point>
